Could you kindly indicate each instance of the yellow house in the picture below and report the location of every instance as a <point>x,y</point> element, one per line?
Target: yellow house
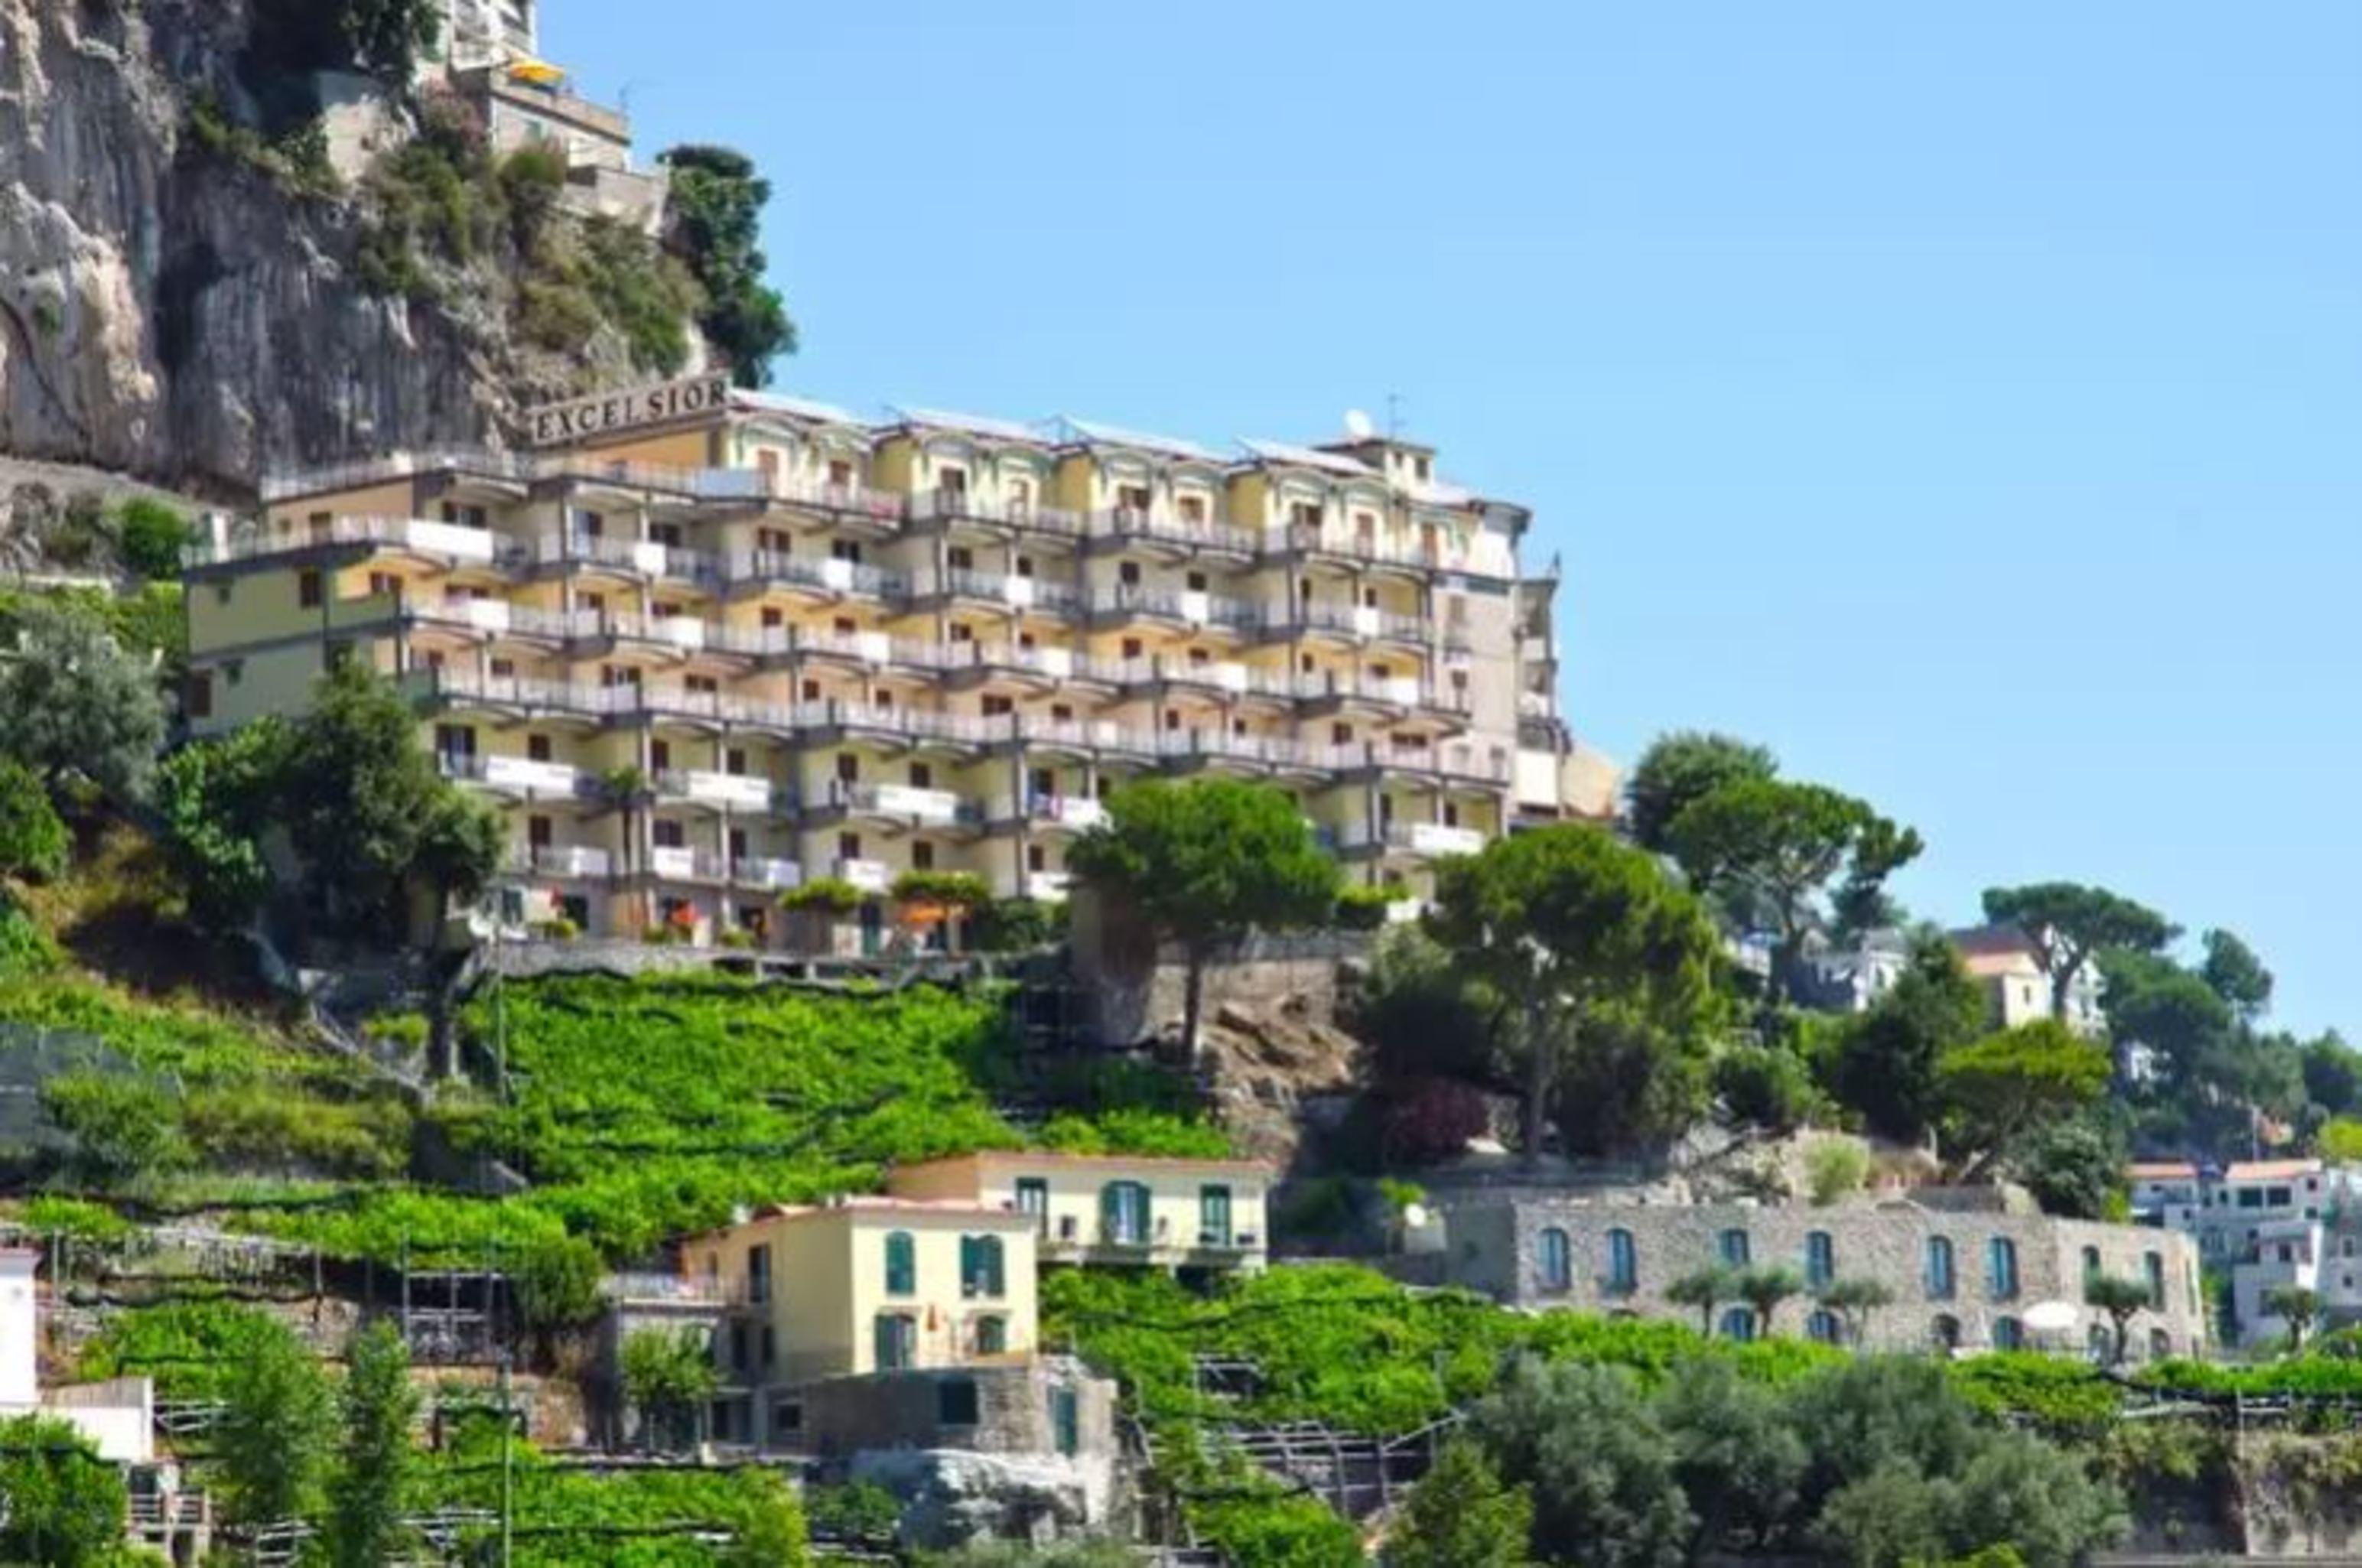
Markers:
<point>865,1285</point>
<point>1112,1209</point>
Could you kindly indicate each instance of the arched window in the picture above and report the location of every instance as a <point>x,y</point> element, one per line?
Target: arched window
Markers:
<point>1734,1248</point>
<point>1945,1331</point>
<point>1820,1259</point>
<point>902,1263</point>
<point>1940,1283</point>
<point>1123,1214</point>
<point>981,1270</point>
<point>1738,1323</point>
<point>2001,1268</point>
<point>1823,1327</point>
<point>1623,1262</point>
<point>2160,1344</point>
<point>1558,1260</point>
<point>2153,1269</point>
<point>2008,1334</point>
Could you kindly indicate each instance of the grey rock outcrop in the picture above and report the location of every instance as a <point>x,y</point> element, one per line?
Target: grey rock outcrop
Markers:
<point>167,310</point>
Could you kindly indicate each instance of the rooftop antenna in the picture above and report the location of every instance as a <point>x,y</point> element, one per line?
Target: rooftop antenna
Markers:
<point>1393,415</point>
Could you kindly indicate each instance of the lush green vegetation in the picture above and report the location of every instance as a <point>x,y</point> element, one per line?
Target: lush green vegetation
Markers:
<point>714,223</point>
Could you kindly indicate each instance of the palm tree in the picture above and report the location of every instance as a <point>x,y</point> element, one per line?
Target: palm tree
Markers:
<point>2299,1306</point>
<point>1763,1287</point>
<point>1854,1300</point>
<point>626,790</point>
<point>1705,1289</point>
<point>2120,1298</point>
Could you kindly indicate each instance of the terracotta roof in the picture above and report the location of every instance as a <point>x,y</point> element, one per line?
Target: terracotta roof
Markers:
<point>2163,1170</point>
<point>1977,940</point>
<point>877,1203</point>
<point>1097,1162</point>
<point>2270,1170</point>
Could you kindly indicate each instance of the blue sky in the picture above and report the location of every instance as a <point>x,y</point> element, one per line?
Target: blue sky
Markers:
<point>1967,401</point>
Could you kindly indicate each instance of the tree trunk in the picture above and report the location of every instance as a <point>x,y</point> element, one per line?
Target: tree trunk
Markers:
<point>1540,1064</point>
<point>1193,1002</point>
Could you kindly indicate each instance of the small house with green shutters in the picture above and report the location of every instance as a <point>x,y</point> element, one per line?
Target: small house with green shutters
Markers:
<point>1137,1210</point>
<point>865,1284</point>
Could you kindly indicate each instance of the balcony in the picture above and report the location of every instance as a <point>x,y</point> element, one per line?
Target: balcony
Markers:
<point>637,558</point>
<point>908,723</point>
<point>1360,623</point>
<point>514,775</point>
<point>504,468</point>
<point>1424,840</point>
<point>868,875</point>
<point>881,508</point>
<point>1076,814</point>
<point>827,574</point>
<point>734,791</point>
<point>448,543</point>
<point>1188,606</point>
<point>1120,525</point>
<point>745,485</point>
<point>679,863</point>
<point>1360,544</point>
<point>929,807</point>
<point>578,862</point>
<point>1019,593</point>
<point>961,506</point>
<point>763,871</point>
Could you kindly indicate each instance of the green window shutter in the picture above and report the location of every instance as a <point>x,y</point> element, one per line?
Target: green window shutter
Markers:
<point>901,1264</point>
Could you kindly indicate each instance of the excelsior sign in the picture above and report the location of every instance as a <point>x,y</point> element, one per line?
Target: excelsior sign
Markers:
<point>559,423</point>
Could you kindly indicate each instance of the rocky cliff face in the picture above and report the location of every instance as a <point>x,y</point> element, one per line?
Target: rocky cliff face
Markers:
<point>171,311</point>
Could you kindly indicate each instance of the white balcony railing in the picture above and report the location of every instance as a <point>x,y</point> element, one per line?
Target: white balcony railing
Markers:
<point>644,557</point>
<point>1079,812</point>
<point>1132,523</point>
<point>825,572</point>
<point>739,791</point>
<point>518,775</point>
<point>905,800</point>
<point>885,507</point>
<point>869,876</point>
<point>679,863</point>
<point>580,860</point>
<point>1434,838</point>
<point>762,871</point>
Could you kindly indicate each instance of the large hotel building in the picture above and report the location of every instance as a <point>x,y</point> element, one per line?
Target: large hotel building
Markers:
<point>703,645</point>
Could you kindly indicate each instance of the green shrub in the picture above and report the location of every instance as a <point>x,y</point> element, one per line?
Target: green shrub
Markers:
<point>33,840</point>
<point>124,1129</point>
<point>956,889</point>
<point>149,535</point>
<point>49,1215</point>
<point>1364,907</point>
<point>1836,1168</point>
<point>247,1126</point>
<point>1017,925</point>
<point>831,895</point>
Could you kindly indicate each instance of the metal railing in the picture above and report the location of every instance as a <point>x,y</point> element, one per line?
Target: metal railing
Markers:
<point>321,478</point>
<point>966,505</point>
<point>1132,523</point>
<point>818,571</point>
<point>1189,605</point>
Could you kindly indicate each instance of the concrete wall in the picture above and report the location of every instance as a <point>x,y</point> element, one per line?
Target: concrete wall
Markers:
<point>1498,1246</point>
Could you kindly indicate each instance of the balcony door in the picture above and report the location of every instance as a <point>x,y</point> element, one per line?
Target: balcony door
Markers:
<point>1123,1213</point>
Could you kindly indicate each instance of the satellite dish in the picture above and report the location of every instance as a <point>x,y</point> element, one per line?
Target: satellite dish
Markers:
<point>2050,1317</point>
<point>1358,425</point>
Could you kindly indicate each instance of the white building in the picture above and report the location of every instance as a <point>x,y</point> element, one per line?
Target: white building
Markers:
<point>489,32</point>
<point>118,1415</point>
<point>2001,959</point>
<point>2167,1193</point>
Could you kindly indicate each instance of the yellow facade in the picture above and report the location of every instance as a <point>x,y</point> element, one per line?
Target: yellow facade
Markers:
<point>1208,1214</point>
<point>869,1283</point>
<point>825,648</point>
